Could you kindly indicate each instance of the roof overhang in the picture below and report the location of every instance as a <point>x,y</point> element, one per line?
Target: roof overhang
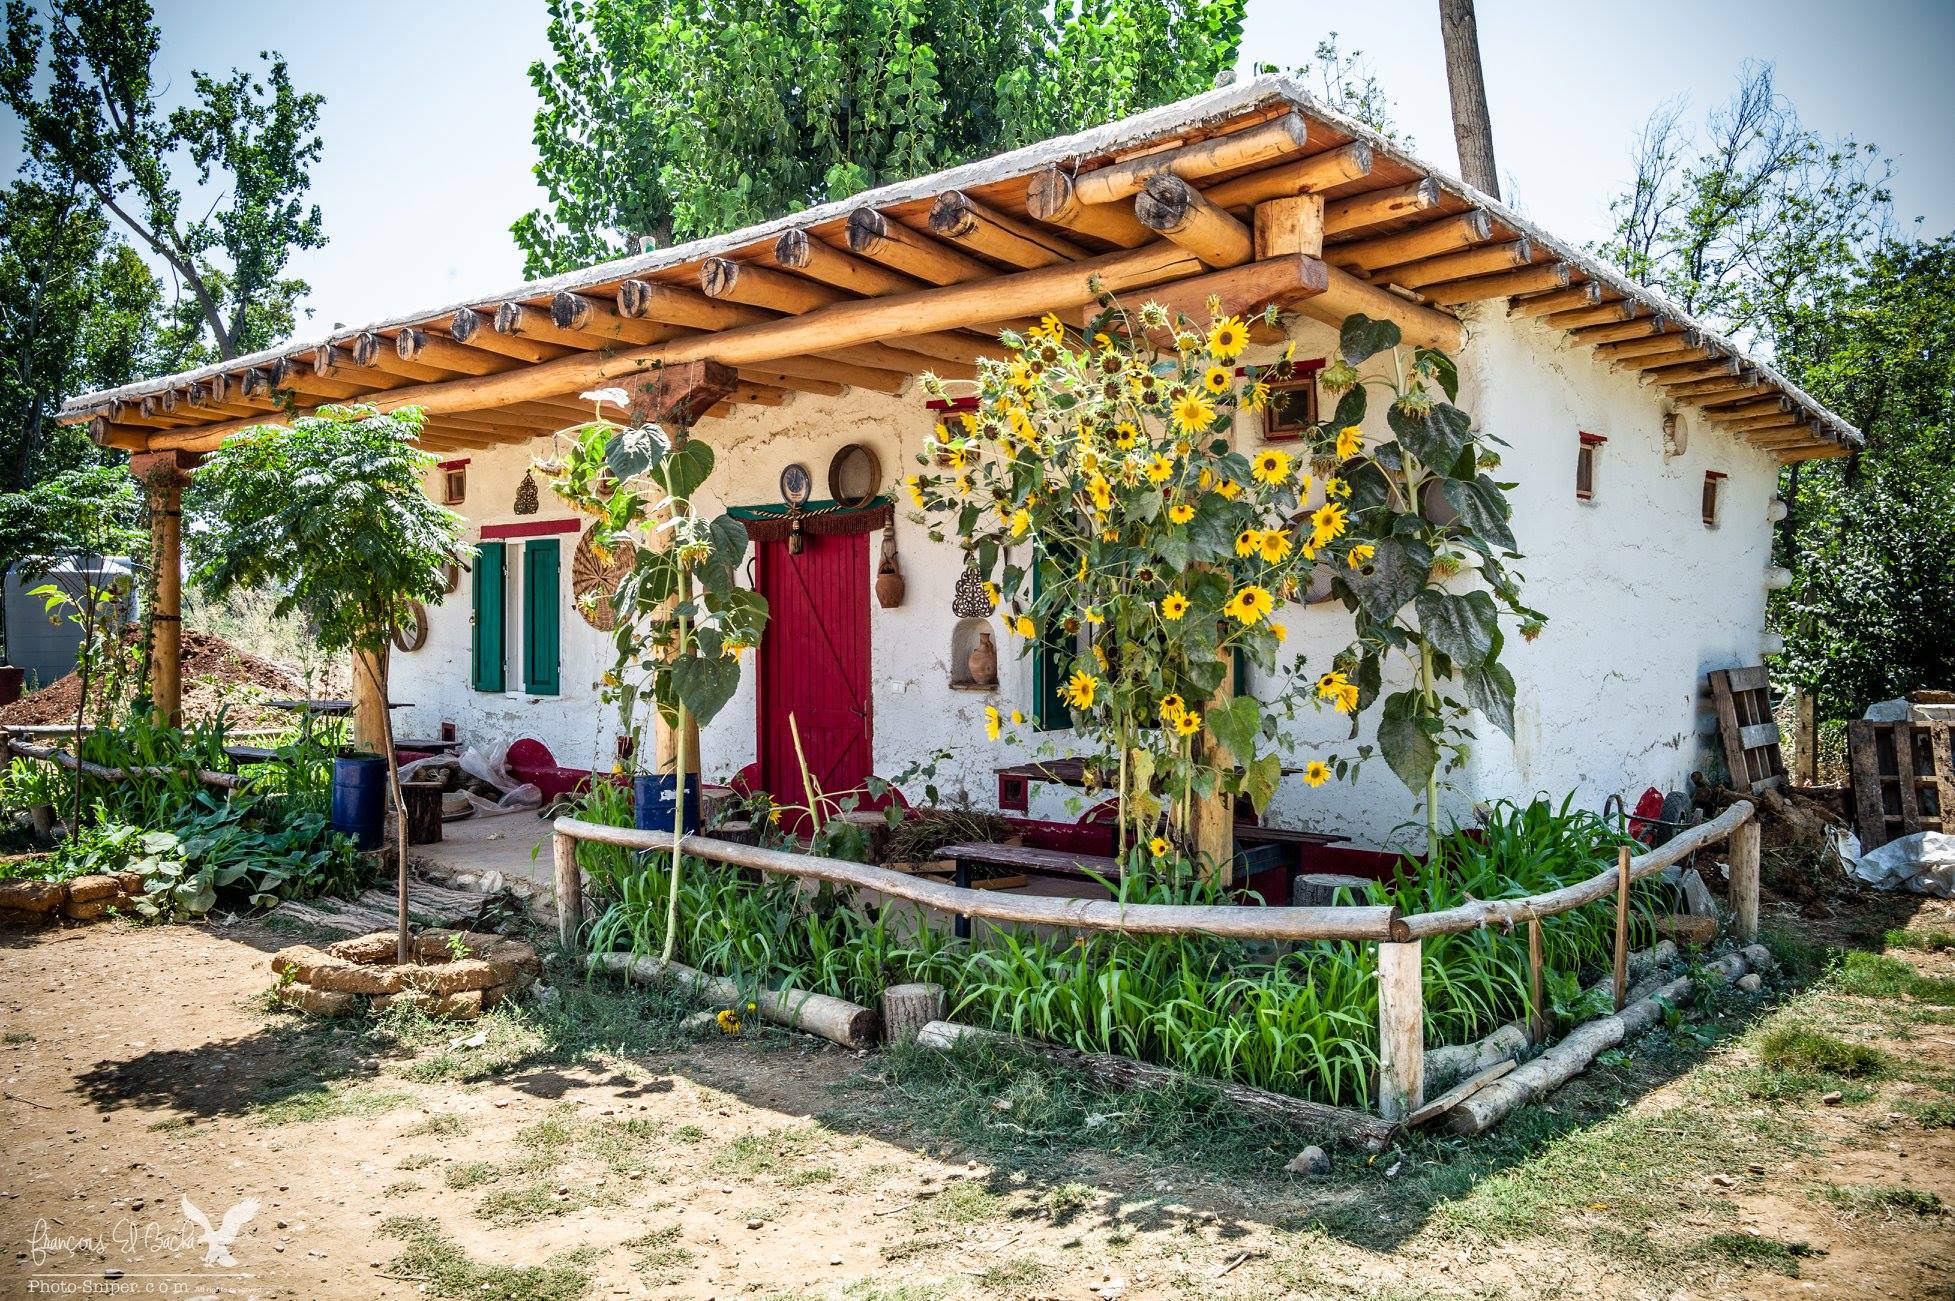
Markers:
<point>919,276</point>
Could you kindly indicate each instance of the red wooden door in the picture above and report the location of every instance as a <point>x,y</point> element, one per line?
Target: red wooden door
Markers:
<point>814,664</point>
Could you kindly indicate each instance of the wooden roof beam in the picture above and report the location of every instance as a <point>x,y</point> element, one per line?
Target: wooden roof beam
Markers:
<point>802,252</point>
<point>1619,331</point>
<point>1623,309</point>
<point>1705,389</point>
<point>1325,171</point>
<point>1447,235</point>
<point>475,330</point>
<point>964,221</point>
<point>1717,368</point>
<point>884,240</point>
<point>1501,284</point>
<point>817,367</point>
<point>1487,259</point>
<point>416,345</point>
<point>673,305</point>
<point>590,315</point>
<point>1344,216</point>
<point>1176,209</point>
<point>1259,145</point>
<point>1586,294</point>
<point>1051,200</point>
<point>759,286</point>
<point>1631,350</point>
<point>523,321</point>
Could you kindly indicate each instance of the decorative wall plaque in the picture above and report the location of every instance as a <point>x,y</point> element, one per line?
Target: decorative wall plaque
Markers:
<point>526,498</point>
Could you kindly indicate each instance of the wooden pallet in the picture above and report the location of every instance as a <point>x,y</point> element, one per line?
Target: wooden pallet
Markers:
<point>1744,722</point>
<point>1903,778</point>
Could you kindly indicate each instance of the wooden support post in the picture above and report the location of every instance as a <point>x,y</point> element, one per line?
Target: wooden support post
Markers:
<point>1537,984</point>
<point>370,701</point>
<point>1744,880</point>
<point>162,474</point>
<point>1292,225</point>
<point>1622,926</point>
<point>1401,1030</point>
<point>570,892</point>
<point>1805,739</point>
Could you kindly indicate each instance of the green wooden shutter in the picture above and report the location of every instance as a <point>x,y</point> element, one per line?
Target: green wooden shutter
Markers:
<point>485,640</point>
<point>541,600</point>
<point>1049,660</point>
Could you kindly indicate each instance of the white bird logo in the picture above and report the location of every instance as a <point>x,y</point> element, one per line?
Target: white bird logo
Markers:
<point>217,1242</point>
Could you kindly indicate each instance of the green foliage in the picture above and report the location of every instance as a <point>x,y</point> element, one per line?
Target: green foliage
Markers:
<point>81,80</point>
<point>330,512</point>
<point>1795,1048</point>
<point>1875,975</point>
<point>665,120</point>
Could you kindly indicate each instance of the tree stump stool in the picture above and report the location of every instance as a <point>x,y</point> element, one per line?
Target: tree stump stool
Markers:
<point>906,1009</point>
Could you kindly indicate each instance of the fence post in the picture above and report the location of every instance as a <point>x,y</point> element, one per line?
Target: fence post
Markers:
<point>570,891</point>
<point>1744,878</point>
<point>1537,1021</point>
<point>1401,1030</point>
<point>1622,927</point>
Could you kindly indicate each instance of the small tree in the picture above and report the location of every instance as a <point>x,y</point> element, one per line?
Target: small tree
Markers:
<point>330,512</point>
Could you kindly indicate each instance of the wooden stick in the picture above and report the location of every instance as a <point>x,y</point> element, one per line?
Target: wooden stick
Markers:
<point>1537,986</point>
<point>1458,1093</point>
<point>1635,349</point>
<point>570,892</point>
<point>1050,199</point>
<point>1620,330</point>
<point>1401,1030</point>
<point>1743,867</point>
<point>476,330</point>
<point>801,251</point>
<point>1124,1074</point>
<point>1266,143</point>
<point>759,286</point>
<point>1325,171</point>
<point>883,239</point>
<point>1622,926</point>
<point>1177,209</point>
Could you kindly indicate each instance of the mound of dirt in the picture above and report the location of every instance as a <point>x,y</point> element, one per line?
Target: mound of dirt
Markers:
<point>216,675</point>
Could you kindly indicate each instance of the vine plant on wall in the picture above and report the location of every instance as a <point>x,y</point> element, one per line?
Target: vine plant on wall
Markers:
<point>1098,490</point>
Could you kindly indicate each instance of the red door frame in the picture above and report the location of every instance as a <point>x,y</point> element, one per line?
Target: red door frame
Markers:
<point>855,553</point>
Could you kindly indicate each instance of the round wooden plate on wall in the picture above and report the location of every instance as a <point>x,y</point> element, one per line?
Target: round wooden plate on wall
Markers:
<point>412,635</point>
<point>592,582</point>
<point>855,476</point>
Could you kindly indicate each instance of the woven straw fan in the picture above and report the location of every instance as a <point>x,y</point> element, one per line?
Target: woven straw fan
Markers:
<point>592,582</point>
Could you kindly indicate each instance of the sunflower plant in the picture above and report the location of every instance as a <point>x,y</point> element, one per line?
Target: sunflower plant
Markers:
<point>1097,490</point>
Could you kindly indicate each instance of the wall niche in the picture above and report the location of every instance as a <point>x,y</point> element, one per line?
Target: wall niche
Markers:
<point>967,636</point>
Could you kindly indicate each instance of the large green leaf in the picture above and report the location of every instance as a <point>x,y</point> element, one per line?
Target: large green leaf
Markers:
<point>1435,436</point>
<point>1363,338</point>
<point>686,468</point>
<point>1259,782</point>
<point>1481,507</point>
<point>635,451</point>
<point>1235,725</point>
<point>704,683</point>
<point>1491,689</point>
<point>1405,739</point>
<point>1350,408</point>
<point>1397,572</point>
<point>1463,625</point>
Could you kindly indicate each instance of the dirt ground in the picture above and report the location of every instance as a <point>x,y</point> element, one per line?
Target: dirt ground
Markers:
<point>593,1145</point>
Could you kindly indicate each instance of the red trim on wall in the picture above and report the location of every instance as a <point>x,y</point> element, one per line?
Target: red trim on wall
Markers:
<point>952,404</point>
<point>1592,440</point>
<point>532,528</point>
<point>451,465</point>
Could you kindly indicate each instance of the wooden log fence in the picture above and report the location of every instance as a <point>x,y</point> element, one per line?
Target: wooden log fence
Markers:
<point>1401,1009</point>
<point>62,759</point>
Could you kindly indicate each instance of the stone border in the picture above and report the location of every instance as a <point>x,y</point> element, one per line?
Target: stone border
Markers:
<point>30,902</point>
<point>333,980</point>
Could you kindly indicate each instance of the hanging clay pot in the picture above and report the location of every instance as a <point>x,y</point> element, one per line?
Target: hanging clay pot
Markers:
<point>889,579</point>
<point>983,662</point>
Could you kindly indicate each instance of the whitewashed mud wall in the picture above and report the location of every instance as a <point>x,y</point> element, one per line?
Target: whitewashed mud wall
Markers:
<point>1642,599</point>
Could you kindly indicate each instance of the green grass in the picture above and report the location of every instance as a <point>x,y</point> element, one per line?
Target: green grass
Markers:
<point>772,1151</point>
<point>659,1257</point>
<point>441,1124</point>
<point>430,1257</point>
<point>1928,941</point>
<point>964,1202</point>
<point>416,1161</point>
<point>1764,1253</point>
<point>400,1188</point>
<point>1939,1114</point>
<point>1796,1048</point>
<point>1875,975</point>
<point>327,1102</point>
<point>473,1174</point>
<point>19,1037</point>
<point>1016,1278</point>
<point>1883,1202</point>
<point>539,1199</point>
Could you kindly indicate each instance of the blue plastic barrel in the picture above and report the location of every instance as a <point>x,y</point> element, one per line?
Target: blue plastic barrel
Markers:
<point>360,798</point>
<point>651,797</point>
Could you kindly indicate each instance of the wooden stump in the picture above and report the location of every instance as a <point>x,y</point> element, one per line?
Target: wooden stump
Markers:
<point>422,801</point>
<point>906,1009</point>
<point>1319,889</point>
<point>1744,880</point>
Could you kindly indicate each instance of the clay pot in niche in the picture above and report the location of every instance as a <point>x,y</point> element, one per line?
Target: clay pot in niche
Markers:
<point>983,661</point>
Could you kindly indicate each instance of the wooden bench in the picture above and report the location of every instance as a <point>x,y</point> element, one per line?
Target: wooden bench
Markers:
<point>1019,858</point>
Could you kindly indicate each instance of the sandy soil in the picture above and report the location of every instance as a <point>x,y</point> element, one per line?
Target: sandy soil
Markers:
<point>138,1063</point>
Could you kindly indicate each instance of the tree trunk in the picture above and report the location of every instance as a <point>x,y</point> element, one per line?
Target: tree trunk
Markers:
<point>1472,128</point>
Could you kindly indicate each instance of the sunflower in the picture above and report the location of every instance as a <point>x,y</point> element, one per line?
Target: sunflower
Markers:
<point>728,1021</point>
<point>1316,773</point>
<point>993,722</point>
<point>1159,847</point>
<point>1216,380</point>
<point>991,593</point>
<point>1160,469</point>
<point>1229,489</point>
<point>1173,606</point>
<point>1304,480</point>
<point>1349,440</point>
<point>1272,465</point>
<point>1102,494</point>
<point>1256,396</point>
<point>916,491</point>
<point>1326,523</point>
<point>1025,627</point>
<point>1124,434</point>
<point>1193,414</point>
<point>1093,614</point>
<point>1338,488</point>
<point>1181,512</point>
<point>1020,521</point>
<point>1275,546</point>
<point>1080,689</point>
<point>1188,722</point>
<point>1172,707</point>
<point>1248,542</point>
<point>1360,555</point>
<point>1227,338</point>
<point>1282,633</point>
<point>1017,718</point>
<point>1339,690</point>
<point>1249,605</point>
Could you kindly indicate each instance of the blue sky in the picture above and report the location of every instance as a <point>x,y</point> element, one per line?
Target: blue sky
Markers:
<point>428,107</point>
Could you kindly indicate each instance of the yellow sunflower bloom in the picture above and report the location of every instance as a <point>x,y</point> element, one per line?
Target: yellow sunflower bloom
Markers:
<point>1193,414</point>
<point>1229,488</point>
<point>1360,555</point>
<point>1282,633</point>
<point>1326,523</point>
<point>1248,542</point>
<point>1172,707</point>
<point>1304,480</point>
<point>1338,488</point>
<point>993,722</point>
<point>1099,656</point>
<point>1339,690</point>
<point>1271,465</point>
<point>1159,847</point>
<point>916,491</point>
<point>1188,723</point>
<point>1316,773</point>
<point>991,593</point>
<point>1159,469</point>
<point>1228,338</point>
<point>1206,479</point>
<point>1021,520</point>
<point>1124,434</point>
<point>1093,614</point>
<point>1101,493</point>
<point>1349,440</point>
<point>1080,690</point>
<point>1025,627</point>
<point>1256,396</point>
<point>1249,605</point>
<point>1181,512</point>
<point>1173,606</point>
<point>1275,546</point>
<point>1216,380</point>
<point>1017,718</point>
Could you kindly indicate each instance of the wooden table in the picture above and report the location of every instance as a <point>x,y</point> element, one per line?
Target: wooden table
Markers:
<point>1021,858</point>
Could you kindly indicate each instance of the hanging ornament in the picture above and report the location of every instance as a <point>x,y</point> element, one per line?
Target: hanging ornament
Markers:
<point>889,579</point>
<point>526,500</point>
<point>969,601</point>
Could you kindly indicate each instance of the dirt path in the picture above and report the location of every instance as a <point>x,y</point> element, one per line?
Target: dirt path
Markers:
<point>594,1147</point>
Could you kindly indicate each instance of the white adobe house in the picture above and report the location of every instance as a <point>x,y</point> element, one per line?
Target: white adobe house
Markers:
<point>1646,450</point>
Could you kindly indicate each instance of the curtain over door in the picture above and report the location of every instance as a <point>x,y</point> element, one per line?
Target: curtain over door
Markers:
<point>814,664</point>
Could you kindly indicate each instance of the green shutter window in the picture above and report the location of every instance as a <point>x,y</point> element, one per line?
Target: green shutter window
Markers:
<point>1055,650</point>
<point>485,640</point>
<point>541,599</point>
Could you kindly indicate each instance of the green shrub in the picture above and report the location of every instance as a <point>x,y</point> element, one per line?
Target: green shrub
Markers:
<point>1928,941</point>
